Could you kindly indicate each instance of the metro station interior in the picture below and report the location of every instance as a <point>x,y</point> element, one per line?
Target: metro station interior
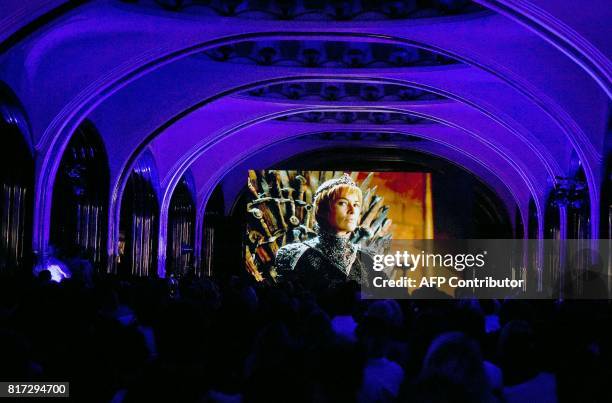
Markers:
<point>128,129</point>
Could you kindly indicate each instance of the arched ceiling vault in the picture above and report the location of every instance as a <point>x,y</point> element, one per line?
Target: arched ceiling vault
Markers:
<point>206,122</point>
<point>221,151</point>
<point>270,156</point>
<point>264,125</point>
<point>233,181</point>
<point>520,98</point>
<point>215,164</point>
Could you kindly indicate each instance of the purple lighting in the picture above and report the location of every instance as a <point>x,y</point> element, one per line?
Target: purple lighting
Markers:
<point>306,200</point>
<point>200,95</point>
<point>58,270</point>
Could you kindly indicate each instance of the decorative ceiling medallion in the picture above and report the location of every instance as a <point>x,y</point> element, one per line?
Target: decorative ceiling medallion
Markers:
<point>320,54</point>
<point>353,117</point>
<point>393,137</point>
<point>326,10</point>
<point>343,91</point>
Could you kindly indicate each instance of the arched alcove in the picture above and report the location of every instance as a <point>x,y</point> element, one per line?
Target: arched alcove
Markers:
<point>139,221</point>
<point>553,252</point>
<point>578,209</point>
<point>181,230</point>
<point>16,186</point>
<point>79,215</point>
<point>215,234</point>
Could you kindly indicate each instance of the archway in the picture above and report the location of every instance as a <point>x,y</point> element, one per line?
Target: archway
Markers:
<point>16,187</point>
<point>466,207</point>
<point>214,234</point>
<point>181,230</point>
<point>139,221</point>
<point>79,217</point>
<point>578,209</point>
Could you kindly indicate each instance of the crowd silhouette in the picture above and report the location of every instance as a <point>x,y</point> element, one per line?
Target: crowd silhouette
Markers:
<point>230,339</point>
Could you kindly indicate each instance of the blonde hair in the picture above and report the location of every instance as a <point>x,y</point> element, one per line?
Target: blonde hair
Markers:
<point>325,198</point>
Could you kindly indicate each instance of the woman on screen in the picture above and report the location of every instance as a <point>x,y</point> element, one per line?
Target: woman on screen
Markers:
<point>330,257</point>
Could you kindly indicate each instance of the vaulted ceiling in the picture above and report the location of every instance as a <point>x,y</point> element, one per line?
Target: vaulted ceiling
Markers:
<point>517,92</point>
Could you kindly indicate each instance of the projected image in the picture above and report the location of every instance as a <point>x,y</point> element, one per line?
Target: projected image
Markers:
<point>331,222</point>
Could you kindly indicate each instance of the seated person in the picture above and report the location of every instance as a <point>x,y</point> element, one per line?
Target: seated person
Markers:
<point>331,257</point>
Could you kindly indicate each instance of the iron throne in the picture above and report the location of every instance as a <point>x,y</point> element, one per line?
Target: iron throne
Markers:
<point>280,211</point>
